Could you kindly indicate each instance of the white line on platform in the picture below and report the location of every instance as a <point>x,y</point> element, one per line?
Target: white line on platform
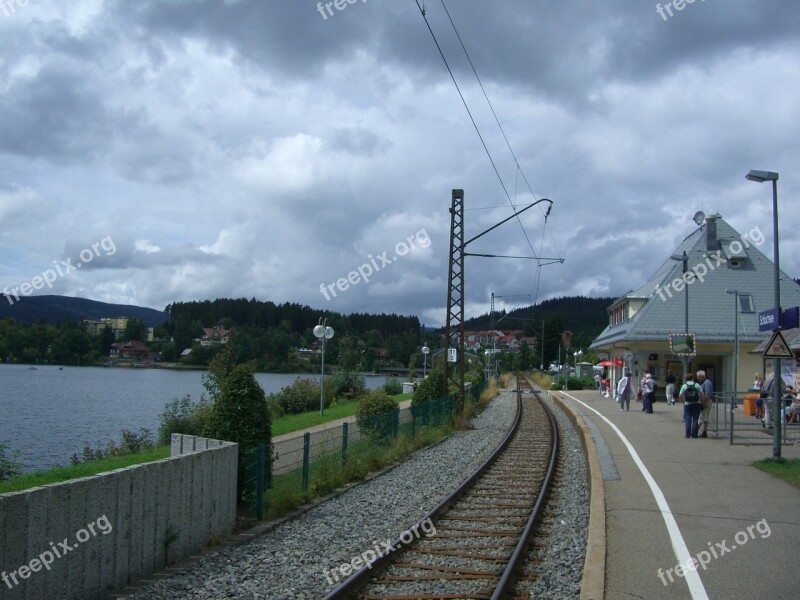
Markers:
<point>696,588</point>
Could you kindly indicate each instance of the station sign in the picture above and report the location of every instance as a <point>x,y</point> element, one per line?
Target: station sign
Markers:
<point>769,320</point>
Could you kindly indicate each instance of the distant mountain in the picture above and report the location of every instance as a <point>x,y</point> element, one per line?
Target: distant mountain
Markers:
<point>56,309</point>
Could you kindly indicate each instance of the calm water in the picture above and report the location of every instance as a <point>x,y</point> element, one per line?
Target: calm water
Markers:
<point>49,414</point>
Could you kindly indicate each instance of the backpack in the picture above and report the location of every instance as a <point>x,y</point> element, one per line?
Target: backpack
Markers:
<point>692,394</point>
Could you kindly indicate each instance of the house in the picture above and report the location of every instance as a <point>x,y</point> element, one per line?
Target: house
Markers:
<point>132,350</point>
<point>214,335</point>
<point>643,323</point>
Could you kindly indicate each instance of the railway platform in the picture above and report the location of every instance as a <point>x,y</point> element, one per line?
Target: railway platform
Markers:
<point>685,518</point>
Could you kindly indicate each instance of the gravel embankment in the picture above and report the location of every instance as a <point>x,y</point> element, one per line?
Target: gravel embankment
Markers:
<point>294,561</point>
<point>559,574</point>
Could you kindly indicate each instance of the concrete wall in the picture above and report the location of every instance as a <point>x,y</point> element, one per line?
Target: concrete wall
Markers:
<point>119,526</point>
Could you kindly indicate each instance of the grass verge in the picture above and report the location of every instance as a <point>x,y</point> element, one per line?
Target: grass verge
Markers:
<point>59,474</point>
<point>290,423</point>
<point>787,469</point>
<point>328,473</point>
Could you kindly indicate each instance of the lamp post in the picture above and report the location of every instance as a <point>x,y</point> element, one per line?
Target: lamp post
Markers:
<point>576,356</point>
<point>761,177</point>
<point>745,309</point>
<point>425,351</point>
<point>322,332</point>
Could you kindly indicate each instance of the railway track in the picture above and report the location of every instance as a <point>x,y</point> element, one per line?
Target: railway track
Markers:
<point>478,538</point>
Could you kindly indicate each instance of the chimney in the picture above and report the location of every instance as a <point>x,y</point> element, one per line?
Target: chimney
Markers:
<point>712,243</point>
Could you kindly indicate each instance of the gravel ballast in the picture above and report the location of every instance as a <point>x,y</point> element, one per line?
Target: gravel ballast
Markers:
<point>559,574</point>
<point>297,559</point>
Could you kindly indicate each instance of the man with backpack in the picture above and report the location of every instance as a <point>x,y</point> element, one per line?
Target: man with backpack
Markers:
<point>691,394</point>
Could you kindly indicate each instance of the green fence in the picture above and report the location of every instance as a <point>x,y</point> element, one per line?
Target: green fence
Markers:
<point>312,464</point>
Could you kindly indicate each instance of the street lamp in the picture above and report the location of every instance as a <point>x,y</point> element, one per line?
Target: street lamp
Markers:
<point>577,355</point>
<point>746,307</point>
<point>761,177</point>
<point>425,351</point>
<point>322,332</point>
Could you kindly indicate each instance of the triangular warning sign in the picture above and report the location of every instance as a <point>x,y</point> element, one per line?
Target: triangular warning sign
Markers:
<point>777,347</point>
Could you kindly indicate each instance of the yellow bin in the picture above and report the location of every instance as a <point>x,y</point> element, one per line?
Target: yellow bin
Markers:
<point>750,403</point>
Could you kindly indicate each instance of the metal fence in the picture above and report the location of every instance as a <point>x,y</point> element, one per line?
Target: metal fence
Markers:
<point>735,416</point>
<point>313,463</point>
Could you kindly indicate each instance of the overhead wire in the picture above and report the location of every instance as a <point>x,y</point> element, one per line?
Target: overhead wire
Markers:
<point>464,101</point>
<point>519,170</point>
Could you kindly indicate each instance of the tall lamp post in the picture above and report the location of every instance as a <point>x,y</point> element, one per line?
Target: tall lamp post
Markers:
<point>577,355</point>
<point>425,351</point>
<point>745,308</point>
<point>322,332</point>
<point>761,177</point>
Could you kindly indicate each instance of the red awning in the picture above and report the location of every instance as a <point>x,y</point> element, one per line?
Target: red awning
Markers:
<point>617,362</point>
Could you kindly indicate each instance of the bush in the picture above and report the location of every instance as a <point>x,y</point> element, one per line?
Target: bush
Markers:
<point>183,416</point>
<point>375,415</point>
<point>303,396</point>
<point>9,468</point>
<point>132,443</point>
<point>240,415</point>
<point>431,388</point>
<point>574,383</point>
<point>345,384</point>
<point>393,386</point>
<point>275,407</point>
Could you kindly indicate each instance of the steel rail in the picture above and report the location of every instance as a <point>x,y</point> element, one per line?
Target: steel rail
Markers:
<point>521,551</point>
<point>360,578</point>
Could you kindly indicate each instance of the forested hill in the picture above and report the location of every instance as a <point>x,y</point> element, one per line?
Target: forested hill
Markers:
<point>59,309</point>
<point>293,318</point>
<point>584,317</point>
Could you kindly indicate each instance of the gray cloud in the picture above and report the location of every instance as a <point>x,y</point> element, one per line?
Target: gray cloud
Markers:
<point>250,148</point>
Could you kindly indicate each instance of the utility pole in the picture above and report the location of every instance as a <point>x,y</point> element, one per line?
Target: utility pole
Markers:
<point>454,327</point>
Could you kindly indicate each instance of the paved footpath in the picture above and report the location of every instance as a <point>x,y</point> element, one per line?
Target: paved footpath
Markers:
<point>289,446</point>
<point>670,499</point>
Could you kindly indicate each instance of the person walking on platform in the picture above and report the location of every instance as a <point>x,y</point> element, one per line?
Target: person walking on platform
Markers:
<point>624,392</point>
<point>705,399</point>
<point>670,380</point>
<point>690,394</point>
<point>648,393</point>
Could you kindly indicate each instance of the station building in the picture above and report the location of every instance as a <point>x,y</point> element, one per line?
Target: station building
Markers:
<point>645,326</point>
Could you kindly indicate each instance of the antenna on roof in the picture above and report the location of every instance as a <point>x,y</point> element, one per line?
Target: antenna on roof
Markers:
<point>699,216</point>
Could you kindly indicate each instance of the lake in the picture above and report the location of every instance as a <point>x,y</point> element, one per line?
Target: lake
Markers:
<point>49,414</point>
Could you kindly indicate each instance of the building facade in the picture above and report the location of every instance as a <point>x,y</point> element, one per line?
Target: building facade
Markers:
<point>697,284</point>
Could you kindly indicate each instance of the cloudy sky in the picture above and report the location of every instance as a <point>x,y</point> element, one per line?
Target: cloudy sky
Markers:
<point>195,149</point>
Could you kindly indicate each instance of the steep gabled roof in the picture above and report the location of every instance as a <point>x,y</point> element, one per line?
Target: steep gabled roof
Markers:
<point>711,309</point>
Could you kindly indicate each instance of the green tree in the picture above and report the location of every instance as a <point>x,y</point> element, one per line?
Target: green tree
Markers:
<point>349,356</point>
<point>240,414</point>
<point>71,346</point>
<point>135,330</point>
<point>524,357</point>
<point>105,340</point>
